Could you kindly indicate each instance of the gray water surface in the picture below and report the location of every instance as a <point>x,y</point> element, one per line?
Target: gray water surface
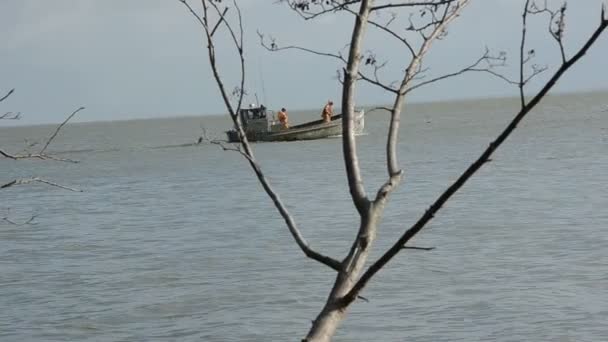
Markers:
<point>179,243</point>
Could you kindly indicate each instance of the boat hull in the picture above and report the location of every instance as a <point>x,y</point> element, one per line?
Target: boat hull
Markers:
<point>308,131</point>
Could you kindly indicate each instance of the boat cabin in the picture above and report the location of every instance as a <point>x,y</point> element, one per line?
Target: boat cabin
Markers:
<point>258,120</point>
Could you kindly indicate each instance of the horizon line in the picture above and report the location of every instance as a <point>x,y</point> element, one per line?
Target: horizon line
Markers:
<point>15,123</point>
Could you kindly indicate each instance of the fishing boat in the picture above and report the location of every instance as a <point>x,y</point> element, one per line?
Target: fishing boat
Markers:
<point>259,125</point>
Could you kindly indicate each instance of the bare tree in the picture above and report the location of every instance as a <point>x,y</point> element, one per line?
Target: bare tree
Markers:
<point>27,154</point>
<point>425,22</point>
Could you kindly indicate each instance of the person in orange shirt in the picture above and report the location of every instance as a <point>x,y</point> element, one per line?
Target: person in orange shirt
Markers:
<point>328,111</point>
<point>283,118</point>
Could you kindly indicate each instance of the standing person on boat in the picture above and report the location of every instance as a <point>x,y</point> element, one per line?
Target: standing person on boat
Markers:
<point>328,111</point>
<point>283,118</point>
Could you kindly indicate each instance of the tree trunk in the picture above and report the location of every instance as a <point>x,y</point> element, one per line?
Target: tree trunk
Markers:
<point>325,325</point>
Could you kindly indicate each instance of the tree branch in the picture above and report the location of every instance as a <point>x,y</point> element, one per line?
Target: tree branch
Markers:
<point>8,220</point>
<point>349,145</point>
<point>449,14</point>
<point>394,34</point>
<point>471,170</point>
<point>29,221</point>
<point>487,58</point>
<point>302,7</point>
<point>522,96</point>
<point>38,180</point>
<point>418,248</point>
<point>35,156</point>
<point>7,95</point>
<point>413,4</point>
<point>379,108</point>
<point>556,33</point>
<point>375,81</point>
<point>219,22</point>
<point>10,116</point>
<point>245,148</point>
<point>41,155</point>
<point>273,47</point>
<point>59,128</point>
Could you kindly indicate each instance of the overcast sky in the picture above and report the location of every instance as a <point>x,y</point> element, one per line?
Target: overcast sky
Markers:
<point>127,59</point>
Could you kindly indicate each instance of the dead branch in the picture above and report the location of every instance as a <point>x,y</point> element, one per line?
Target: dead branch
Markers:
<point>302,7</point>
<point>556,28</point>
<point>390,21</point>
<point>379,108</point>
<point>36,180</point>
<point>10,116</point>
<point>349,145</point>
<point>557,22</point>
<point>7,95</point>
<point>415,66</point>
<point>27,222</point>
<point>306,8</point>
<point>384,27</point>
<point>486,63</point>
<point>36,156</point>
<point>245,148</point>
<point>233,147</point>
<point>59,128</point>
<point>472,169</point>
<point>220,21</point>
<point>430,3</point>
<point>274,47</point>
<point>522,61</point>
<point>42,155</point>
<point>418,248</point>
<point>10,221</point>
<point>376,82</point>
<point>393,34</point>
<point>438,11</point>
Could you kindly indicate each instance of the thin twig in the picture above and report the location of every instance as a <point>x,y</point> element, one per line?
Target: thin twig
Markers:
<point>38,180</point>
<point>418,248</point>
<point>379,108</point>
<point>363,299</point>
<point>222,18</point>
<point>274,47</point>
<point>29,221</point>
<point>10,116</point>
<point>59,128</point>
<point>376,82</point>
<point>233,148</point>
<point>558,33</point>
<point>473,67</point>
<point>522,96</point>
<point>7,95</point>
<point>301,8</point>
<point>413,4</point>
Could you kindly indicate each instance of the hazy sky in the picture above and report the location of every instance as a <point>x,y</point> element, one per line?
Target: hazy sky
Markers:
<point>146,58</point>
